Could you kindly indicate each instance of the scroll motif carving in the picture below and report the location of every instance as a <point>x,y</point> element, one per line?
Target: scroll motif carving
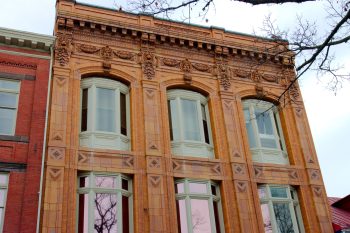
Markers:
<point>124,55</point>
<point>148,64</point>
<point>257,76</point>
<point>293,174</point>
<point>258,171</point>
<point>317,191</point>
<point>60,80</point>
<point>154,163</point>
<point>314,175</point>
<point>170,62</point>
<point>128,161</point>
<point>57,137</point>
<point>186,67</point>
<point>88,49</point>
<point>201,67</point>
<point>63,48</point>
<point>56,153</point>
<point>294,92</point>
<point>239,169</point>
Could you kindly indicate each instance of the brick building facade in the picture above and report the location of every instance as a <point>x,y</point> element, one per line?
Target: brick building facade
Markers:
<point>24,76</point>
<point>158,126</point>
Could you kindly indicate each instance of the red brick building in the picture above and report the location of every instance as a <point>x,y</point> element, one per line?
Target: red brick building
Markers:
<point>340,209</point>
<point>24,78</point>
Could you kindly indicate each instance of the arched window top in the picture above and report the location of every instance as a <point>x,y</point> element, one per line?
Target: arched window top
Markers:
<point>187,94</point>
<point>104,82</point>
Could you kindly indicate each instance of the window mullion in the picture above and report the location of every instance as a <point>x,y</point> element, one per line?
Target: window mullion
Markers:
<point>119,212</point>
<point>200,120</point>
<point>189,214</point>
<point>128,118</point>
<point>211,213</point>
<point>92,108</point>
<point>208,123</point>
<point>117,111</point>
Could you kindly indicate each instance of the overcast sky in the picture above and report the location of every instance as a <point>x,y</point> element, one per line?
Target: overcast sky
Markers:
<point>329,114</point>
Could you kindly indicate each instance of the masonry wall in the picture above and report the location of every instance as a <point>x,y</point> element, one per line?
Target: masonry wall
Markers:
<point>152,56</point>
<point>21,154</point>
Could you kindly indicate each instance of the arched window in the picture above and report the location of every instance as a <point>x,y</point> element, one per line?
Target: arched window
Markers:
<point>104,114</point>
<point>189,124</point>
<point>264,132</point>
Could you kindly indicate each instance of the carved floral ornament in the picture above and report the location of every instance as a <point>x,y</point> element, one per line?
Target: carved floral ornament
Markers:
<point>148,61</point>
<point>63,48</point>
<point>105,52</point>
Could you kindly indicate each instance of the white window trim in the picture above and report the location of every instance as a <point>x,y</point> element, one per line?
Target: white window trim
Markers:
<point>119,191</point>
<point>4,186</point>
<point>17,100</point>
<point>263,154</point>
<point>183,147</point>
<point>187,196</point>
<point>101,139</point>
<point>294,207</point>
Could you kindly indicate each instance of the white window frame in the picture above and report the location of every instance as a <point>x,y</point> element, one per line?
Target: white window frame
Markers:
<point>4,186</point>
<point>291,200</point>
<point>187,196</point>
<point>182,146</point>
<point>92,189</point>
<point>264,154</point>
<point>12,91</point>
<point>102,139</point>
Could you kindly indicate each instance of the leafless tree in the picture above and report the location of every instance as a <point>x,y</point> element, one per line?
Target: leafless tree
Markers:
<point>311,49</point>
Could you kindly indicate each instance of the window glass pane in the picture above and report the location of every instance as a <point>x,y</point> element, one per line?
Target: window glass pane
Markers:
<point>205,124</point>
<point>213,190</point>
<point>283,218</point>
<point>125,203</point>
<point>3,179</point>
<point>250,131</point>
<point>264,122</point>
<point>200,216</point>
<point>180,188</point>
<point>174,120</point>
<point>123,114</point>
<point>198,188</point>
<point>84,110</point>
<point>181,216</point>
<point>262,192</point>
<point>105,110</point>
<point>190,120</point>
<point>83,220</point>
<point>125,184</point>
<point>7,84</point>
<point>266,218</point>
<point>105,182</point>
<point>7,120</point>
<point>297,216</point>
<point>105,213</point>
<point>2,197</point>
<point>217,218</point>
<point>278,192</point>
<point>84,182</point>
<point>8,100</point>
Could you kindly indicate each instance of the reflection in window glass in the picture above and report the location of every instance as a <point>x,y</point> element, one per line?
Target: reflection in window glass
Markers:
<point>105,110</point>
<point>280,210</point>
<point>198,188</point>
<point>190,120</point>
<point>266,218</point>
<point>3,193</point>
<point>9,90</point>
<point>105,207</point>
<point>198,208</point>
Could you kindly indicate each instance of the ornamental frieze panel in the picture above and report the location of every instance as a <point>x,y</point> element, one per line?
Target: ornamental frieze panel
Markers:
<point>268,174</point>
<point>89,159</point>
<point>106,52</point>
<point>196,167</point>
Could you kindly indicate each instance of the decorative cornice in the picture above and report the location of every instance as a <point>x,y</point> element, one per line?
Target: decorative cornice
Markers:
<point>157,34</point>
<point>26,39</point>
<point>18,64</point>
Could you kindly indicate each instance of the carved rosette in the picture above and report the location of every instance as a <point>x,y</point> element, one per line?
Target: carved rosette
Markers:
<point>148,64</point>
<point>106,53</point>
<point>63,48</point>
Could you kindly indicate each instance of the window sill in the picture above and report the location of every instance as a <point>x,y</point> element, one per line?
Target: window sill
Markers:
<point>273,156</point>
<point>192,149</point>
<point>14,138</point>
<point>104,140</point>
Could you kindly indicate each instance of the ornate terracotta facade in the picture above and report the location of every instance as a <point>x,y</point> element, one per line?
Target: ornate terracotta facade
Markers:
<point>152,56</point>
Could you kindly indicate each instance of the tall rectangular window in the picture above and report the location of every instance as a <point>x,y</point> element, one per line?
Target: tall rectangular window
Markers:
<point>198,207</point>
<point>3,194</point>
<point>280,209</point>
<point>9,91</point>
<point>104,203</point>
